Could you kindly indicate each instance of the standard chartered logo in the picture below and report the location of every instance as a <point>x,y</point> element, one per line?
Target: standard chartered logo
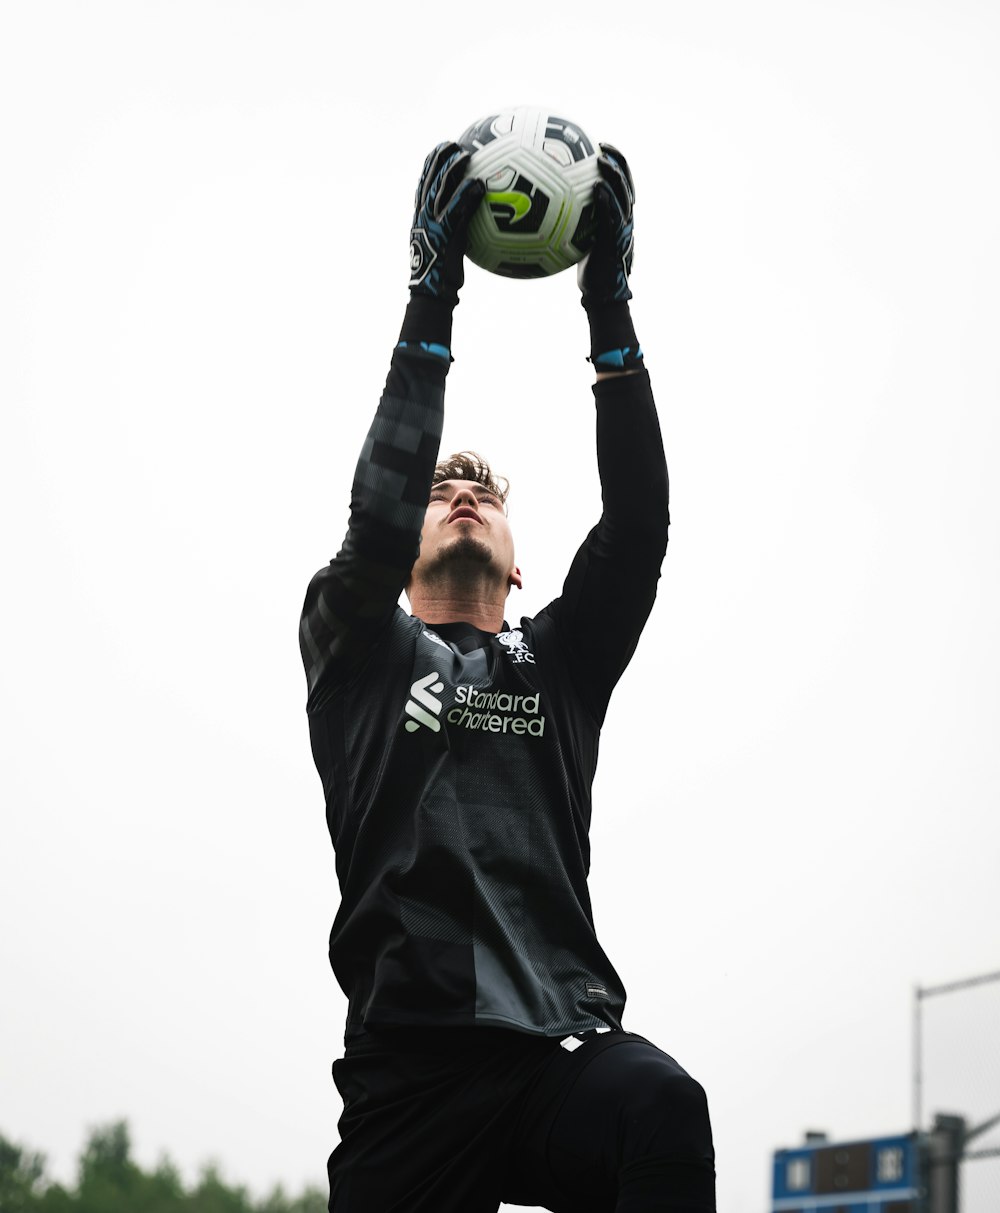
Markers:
<point>482,711</point>
<point>423,702</point>
<point>497,712</point>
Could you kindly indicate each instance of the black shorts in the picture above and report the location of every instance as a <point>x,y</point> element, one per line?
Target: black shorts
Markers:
<point>443,1120</point>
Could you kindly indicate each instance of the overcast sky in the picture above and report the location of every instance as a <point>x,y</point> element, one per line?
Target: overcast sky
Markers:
<point>204,228</point>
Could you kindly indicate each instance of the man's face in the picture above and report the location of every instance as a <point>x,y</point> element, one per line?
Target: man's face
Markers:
<point>466,527</point>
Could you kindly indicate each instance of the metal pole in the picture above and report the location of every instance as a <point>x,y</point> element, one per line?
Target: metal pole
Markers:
<point>919,994</point>
<point>945,1143</point>
<point>965,984</point>
<point>917,1052</point>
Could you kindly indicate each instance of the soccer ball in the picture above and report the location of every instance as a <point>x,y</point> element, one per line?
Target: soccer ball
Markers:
<point>537,217</point>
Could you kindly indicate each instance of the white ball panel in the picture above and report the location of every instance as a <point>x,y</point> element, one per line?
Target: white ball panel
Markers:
<point>547,164</point>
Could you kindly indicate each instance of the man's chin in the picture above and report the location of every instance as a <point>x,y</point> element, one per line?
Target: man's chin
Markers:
<point>466,557</point>
<point>466,547</point>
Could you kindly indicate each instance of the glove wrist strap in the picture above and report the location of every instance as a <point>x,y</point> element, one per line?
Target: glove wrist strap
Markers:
<point>613,343</point>
<point>427,320</point>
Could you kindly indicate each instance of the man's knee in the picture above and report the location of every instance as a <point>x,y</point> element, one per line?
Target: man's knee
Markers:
<point>668,1159</point>
<point>667,1115</point>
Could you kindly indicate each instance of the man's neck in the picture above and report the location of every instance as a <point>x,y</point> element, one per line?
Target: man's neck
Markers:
<point>440,604</point>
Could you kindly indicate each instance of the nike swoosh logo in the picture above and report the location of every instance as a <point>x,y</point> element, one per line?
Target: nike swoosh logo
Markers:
<point>520,203</point>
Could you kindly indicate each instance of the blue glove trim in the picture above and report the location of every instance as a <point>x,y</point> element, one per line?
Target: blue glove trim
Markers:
<point>622,359</point>
<point>430,347</point>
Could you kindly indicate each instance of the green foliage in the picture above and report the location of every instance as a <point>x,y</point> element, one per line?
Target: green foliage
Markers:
<point>312,1200</point>
<point>110,1181</point>
<point>21,1174</point>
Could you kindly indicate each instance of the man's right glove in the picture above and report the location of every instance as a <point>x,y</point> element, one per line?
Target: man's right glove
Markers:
<point>445,202</point>
<point>603,274</point>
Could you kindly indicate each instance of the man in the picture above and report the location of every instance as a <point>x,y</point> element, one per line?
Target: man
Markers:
<point>485,1059</point>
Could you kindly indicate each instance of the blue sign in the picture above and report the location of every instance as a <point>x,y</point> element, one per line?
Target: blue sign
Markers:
<point>879,1176</point>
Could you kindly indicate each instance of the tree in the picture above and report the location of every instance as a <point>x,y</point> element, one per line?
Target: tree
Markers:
<point>21,1176</point>
<point>109,1181</point>
<point>311,1201</point>
<point>213,1196</point>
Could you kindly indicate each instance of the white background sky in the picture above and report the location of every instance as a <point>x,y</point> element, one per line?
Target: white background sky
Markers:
<point>203,259</point>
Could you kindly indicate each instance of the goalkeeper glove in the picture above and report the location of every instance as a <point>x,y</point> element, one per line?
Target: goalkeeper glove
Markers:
<point>603,273</point>
<point>444,205</point>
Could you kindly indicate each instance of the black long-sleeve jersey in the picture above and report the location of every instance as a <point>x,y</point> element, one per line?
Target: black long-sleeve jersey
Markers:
<point>456,764</point>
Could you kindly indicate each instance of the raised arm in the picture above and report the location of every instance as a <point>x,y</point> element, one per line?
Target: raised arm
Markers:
<point>611,585</point>
<point>350,601</point>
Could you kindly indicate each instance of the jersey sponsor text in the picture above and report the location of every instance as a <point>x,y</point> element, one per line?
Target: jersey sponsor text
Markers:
<point>497,712</point>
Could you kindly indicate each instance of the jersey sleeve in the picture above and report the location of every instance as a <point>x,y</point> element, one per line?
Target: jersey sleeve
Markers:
<point>611,585</point>
<point>350,601</point>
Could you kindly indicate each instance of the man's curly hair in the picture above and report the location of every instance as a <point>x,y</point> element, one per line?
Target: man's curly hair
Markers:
<point>467,465</point>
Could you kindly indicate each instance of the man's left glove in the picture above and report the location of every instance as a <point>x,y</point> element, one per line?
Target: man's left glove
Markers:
<point>445,202</point>
<point>603,273</point>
